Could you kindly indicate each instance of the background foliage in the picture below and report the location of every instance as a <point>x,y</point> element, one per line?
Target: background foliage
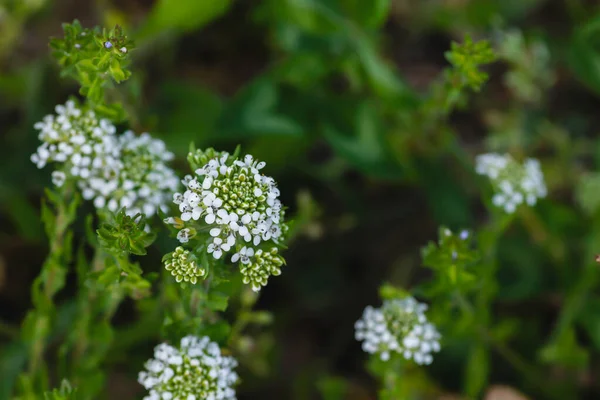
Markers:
<point>370,125</point>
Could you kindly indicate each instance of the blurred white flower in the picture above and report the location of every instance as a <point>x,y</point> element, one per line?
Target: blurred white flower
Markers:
<point>399,326</point>
<point>514,183</point>
<point>76,140</point>
<point>141,181</point>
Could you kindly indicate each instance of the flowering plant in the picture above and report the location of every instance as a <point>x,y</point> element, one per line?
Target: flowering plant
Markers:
<point>157,268</point>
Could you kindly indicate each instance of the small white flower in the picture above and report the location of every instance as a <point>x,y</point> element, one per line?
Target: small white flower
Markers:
<point>243,255</point>
<point>217,247</point>
<point>58,178</point>
<point>183,235</point>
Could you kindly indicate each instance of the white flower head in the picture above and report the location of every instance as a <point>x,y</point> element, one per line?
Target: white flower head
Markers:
<point>139,180</point>
<point>240,206</point>
<point>399,326</point>
<point>114,171</point>
<point>76,139</point>
<point>195,370</point>
<point>515,184</point>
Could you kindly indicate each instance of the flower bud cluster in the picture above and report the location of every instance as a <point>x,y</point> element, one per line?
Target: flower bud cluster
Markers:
<point>114,171</point>
<point>399,326</point>
<point>514,183</point>
<point>182,266</point>
<point>256,268</point>
<point>195,371</point>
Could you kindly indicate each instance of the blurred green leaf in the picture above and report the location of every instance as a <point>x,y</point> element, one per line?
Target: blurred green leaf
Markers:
<point>584,53</point>
<point>364,145</point>
<point>477,370</point>
<point>566,351</point>
<point>254,112</point>
<point>380,76</point>
<point>313,16</point>
<point>217,301</point>
<point>587,192</point>
<point>189,114</point>
<point>181,15</point>
<point>369,14</point>
<point>589,319</point>
<point>332,388</point>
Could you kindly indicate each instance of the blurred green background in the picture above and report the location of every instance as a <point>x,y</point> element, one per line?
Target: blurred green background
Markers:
<point>347,102</point>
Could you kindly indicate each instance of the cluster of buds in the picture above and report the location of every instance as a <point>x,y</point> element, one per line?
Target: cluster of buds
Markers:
<point>182,265</point>
<point>115,172</point>
<point>399,326</point>
<point>240,209</point>
<point>195,371</point>
<point>514,183</point>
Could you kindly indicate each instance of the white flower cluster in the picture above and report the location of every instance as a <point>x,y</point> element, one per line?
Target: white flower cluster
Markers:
<point>115,171</point>
<point>76,138</point>
<point>141,181</point>
<point>195,371</point>
<point>514,183</point>
<point>399,326</point>
<point>240,208</point>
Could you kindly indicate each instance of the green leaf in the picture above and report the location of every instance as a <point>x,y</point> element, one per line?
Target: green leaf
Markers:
<point>190,114</point>
<point>108,276</point>
<point>589,319</point>
<point>584,53</point>
<point>369,14</point>
<point>181,15</point>
<point>380,76</point>
<point>587,192</point>
<point>333,388</point>
<point>312,16</point>
<point>254,112</point>
<point>64,392</point>
<point>217,301</point>
<point>366,148</point>
<point>565,351</point>
<point>477,371</point>
<point>48,219</point>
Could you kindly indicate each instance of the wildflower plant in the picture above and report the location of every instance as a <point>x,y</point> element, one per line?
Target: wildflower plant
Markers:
<point>228,212</point>
<point>223,228</point>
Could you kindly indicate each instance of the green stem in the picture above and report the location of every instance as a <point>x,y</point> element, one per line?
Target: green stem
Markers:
<point>509,355</point>
<point>38,324</point>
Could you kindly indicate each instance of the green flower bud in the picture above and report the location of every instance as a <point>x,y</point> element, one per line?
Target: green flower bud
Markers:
<point>183,266</point>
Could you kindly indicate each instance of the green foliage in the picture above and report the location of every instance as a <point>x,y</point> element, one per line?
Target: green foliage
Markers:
<point>123,234</point>
<point>181,15</point>
<point>583,56</point>
<point>95,59</point>
<point>467,58</point>
<point>64,392</point>
<point>452,259</point>
<point>372,138</point>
